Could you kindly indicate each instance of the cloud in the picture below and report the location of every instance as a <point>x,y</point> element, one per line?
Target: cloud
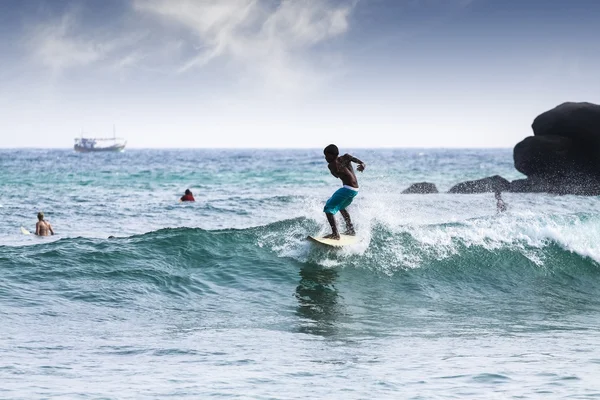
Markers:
<point>54,48</point>
<point>64,43</point>
<point>266,43</point>
<point>266,38</point>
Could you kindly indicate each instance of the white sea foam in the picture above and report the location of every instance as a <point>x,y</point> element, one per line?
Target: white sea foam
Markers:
<point>443,224</point>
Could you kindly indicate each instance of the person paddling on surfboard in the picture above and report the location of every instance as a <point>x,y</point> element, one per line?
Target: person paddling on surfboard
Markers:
<point>43,228</point>
<point>341,167</point>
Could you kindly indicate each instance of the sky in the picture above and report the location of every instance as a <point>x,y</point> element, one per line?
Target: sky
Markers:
<point>291,73</point>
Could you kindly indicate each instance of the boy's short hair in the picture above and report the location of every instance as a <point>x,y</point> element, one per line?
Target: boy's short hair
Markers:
<point>331,149</point>
<point>40,215</point>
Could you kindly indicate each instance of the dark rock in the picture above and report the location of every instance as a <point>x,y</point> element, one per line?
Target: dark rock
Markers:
<point>530,186</point>
<point>578,121</point>
<point>548,156</point>
<point>421,188</point>
<point>489,184</point>
<point>564,155</point>
<point>579,187</point>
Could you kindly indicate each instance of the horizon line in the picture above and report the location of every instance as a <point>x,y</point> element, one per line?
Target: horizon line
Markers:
<point>272,148</point>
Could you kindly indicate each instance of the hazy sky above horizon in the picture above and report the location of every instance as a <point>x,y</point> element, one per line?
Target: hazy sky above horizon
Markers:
<point>298,73</point>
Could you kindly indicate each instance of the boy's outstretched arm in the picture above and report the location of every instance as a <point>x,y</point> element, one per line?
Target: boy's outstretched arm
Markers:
<point>361,165</point>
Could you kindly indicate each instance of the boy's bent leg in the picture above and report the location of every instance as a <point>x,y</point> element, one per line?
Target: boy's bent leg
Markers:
<point>348,221</point>
<point>334,231</point>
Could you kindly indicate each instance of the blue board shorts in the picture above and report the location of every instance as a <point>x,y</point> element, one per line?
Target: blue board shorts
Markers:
<point>341,199</point>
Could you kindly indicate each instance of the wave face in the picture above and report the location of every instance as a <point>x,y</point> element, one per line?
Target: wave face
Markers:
<point>495,254</point>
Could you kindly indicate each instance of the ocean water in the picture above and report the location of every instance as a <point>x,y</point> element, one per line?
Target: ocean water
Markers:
<point>224,297</point>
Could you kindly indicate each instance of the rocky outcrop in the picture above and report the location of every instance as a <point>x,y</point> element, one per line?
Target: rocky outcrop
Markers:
<point>581,186</point>
<point>489,184</point>
<point>545,156</point>
<point>563,156</point>
<point>421,188</point>
<point>530,185</point>
<point>578,121</point>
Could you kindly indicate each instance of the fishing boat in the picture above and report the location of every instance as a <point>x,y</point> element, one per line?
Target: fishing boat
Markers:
<point>90,145</point>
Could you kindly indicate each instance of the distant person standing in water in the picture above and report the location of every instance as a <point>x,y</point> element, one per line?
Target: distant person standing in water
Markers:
<point>188,196</point>
<point>341,167</point>
<point>43,228</point>
<point>500,204</point>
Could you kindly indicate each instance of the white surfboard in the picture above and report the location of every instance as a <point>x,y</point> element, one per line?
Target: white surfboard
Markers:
<point>344,240</point>
<point>25,231</point>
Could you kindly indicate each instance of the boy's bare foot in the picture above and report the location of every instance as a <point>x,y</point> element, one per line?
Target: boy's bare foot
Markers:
<point>332,236</point>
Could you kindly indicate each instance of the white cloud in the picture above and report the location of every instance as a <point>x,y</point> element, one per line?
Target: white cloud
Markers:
<point>54,48</point>
<point>64,43</point>
<point>267,43</point>
<point>268,39</point>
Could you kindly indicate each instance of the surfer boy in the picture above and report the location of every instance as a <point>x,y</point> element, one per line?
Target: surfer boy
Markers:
<point>43,228</point>
<point>341,167</point>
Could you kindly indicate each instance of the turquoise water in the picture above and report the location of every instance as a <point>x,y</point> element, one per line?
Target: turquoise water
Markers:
<point>441,297</point>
